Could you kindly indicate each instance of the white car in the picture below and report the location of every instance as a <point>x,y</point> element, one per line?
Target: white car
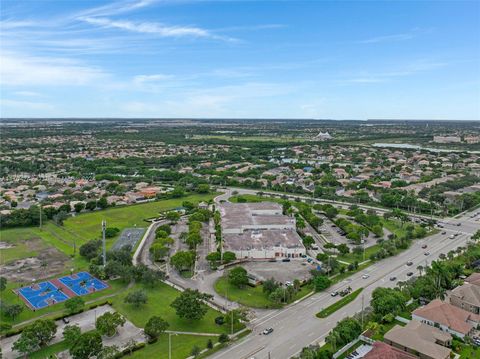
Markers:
<point>365,276</point>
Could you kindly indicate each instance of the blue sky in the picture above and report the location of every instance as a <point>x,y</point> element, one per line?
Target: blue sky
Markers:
<point>256,59</point>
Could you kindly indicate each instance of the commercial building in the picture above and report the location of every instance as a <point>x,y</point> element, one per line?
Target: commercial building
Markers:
<point>259,230</point>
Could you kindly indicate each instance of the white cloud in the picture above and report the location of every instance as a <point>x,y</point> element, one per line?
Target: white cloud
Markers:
<point>140,79</point>
<point>29,105</point>
<point>21,69</point>
<point>118,7</point>
<point>154,28</point>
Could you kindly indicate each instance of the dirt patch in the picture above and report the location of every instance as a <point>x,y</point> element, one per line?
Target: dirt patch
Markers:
<point>35,244</point>
<point>49,262</point>
<point>6,245</point>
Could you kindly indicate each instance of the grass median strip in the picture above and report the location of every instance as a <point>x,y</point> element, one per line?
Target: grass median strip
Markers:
<point>337,305</point>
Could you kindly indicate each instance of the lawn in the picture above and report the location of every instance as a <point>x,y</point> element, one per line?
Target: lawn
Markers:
<point>181,347</point>
<point>253,198</point>
<point>49,351</point>
<point>252,297</point>
<point>87,226</point>
<point>159,300</point>
<point>339,304</point>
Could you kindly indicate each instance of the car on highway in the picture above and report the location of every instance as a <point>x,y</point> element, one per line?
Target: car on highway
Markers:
<point>334,294</point>
<point>286,260</point>
<point>452,236</point>
<point>444,232</point>
<point>409,274</point>
<point>427,253</point>
<point>409,263</point>
<point>365,276</point>
<point>459,224</point>
<point>267,331</point>
<point>393,278</point>
<point>424,246</point>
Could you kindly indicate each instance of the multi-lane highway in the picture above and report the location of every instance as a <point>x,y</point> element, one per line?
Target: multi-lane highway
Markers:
<point>297,326</point>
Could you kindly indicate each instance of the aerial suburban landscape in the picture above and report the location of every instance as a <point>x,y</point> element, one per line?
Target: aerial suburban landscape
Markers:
<point>239,179</point>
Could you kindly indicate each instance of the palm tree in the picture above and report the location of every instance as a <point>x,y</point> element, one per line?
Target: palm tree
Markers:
<point>420,269</point>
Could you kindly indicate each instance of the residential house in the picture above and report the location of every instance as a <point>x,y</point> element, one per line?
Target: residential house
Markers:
<point>466,296</point>
<point>448,318</point>
<point>420,340</point>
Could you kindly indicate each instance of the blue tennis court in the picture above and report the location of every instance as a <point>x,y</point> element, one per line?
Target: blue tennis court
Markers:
<point>42,295</point>
<point>83,283</point>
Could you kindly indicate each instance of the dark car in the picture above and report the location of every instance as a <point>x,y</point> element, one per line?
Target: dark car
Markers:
<point>424,246</point>
<point>459,224</point>
<point>65,320</point>
<point>286,260</point>
<point>409,274</point>
<point>393,278</point>
<point>409,263</point>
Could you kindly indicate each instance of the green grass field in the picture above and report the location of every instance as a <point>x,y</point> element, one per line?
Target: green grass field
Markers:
<point>84,227</point>
<point>252,297</point>
<point>159,300</point>
<point>339,304</point>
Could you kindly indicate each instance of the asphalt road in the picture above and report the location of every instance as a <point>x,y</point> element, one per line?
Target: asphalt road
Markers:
<point>296,326</point>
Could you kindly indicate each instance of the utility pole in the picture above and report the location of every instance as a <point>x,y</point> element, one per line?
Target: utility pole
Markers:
<point>104,255</point>
<point>40,216</point>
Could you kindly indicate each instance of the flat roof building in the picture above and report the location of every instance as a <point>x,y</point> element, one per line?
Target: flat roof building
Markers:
<point>259,230</point>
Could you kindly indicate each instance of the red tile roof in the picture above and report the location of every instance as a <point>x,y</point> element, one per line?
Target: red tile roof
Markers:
<point>382,350</point>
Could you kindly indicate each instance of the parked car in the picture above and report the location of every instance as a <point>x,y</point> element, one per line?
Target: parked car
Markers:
<point>286,260</point>
<point>65,320</point>
<point>267,331</point>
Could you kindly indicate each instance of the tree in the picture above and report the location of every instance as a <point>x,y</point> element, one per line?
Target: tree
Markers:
<point>74,304</point>
<point>190,304</point>
<point>111,232</point>
<point>343,248</point>
<point>136,298</point>
<point>195,351</point>
<point>102,203</point>
<point>91,205</point>
<point>90,249</point>
<point>321,282</point>
<point>308,241</point>
<point>159,251</point>
<point>203,188</point>
<point>87,345</point>
<point>229,257</point>
<point>209,344</point>
<point>155,327</point>
<point>109,352</point>
<point>3,283</point>
<point>107,323</point>
<point>183,260</point>
<point>79,206</point>
<point>270,285</point>
<point>388,300</point>
<point>71,333</point>
<point>223,338</point>
<point>173,216</point>
<point>35,336</point>
<point>12,310</point>
<point>238,277</point>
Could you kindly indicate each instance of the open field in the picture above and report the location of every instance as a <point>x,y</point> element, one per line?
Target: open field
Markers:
<point>159,300</point>
<point>56,243</point>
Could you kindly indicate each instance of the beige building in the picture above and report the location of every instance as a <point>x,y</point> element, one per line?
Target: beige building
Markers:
<point>466,296</point>
<point>420,340</point>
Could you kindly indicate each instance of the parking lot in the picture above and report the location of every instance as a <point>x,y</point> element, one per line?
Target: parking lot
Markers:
<point>280,271</point>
